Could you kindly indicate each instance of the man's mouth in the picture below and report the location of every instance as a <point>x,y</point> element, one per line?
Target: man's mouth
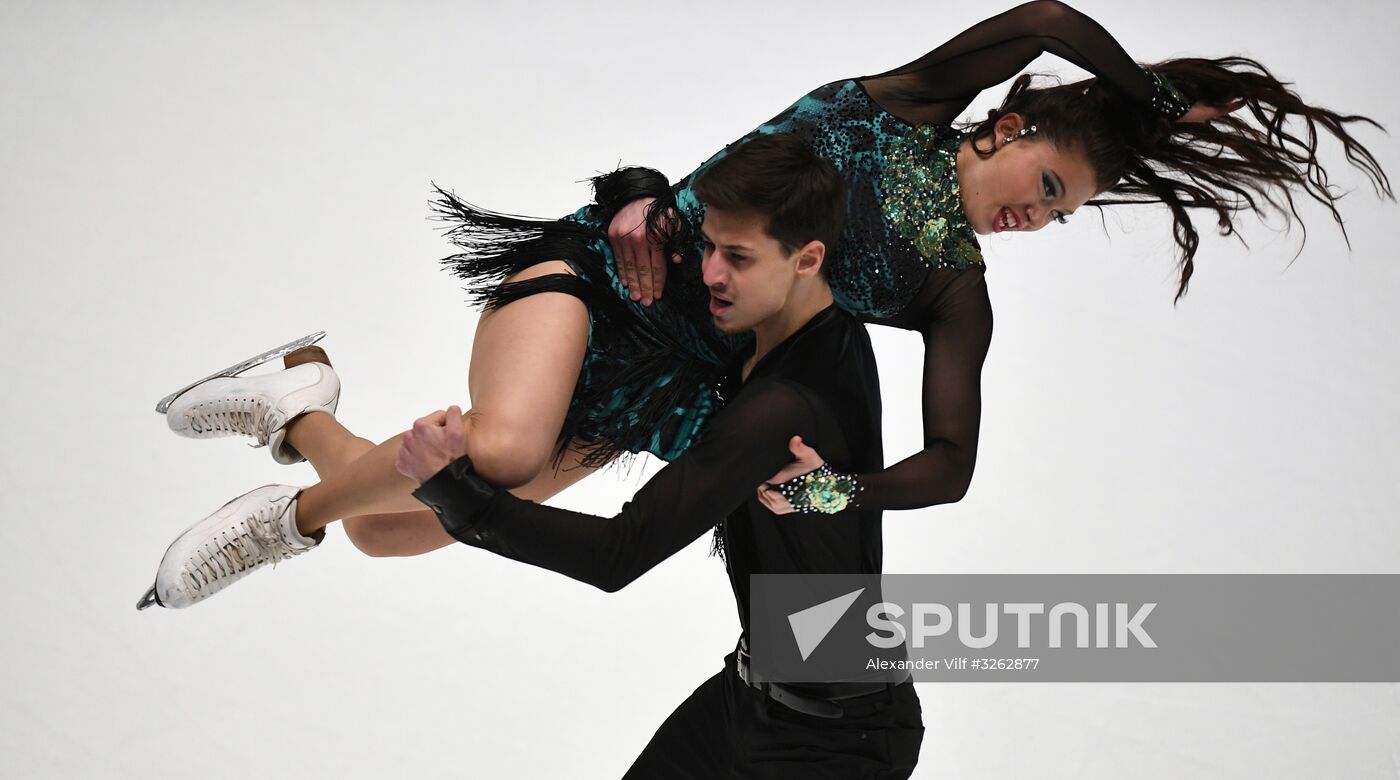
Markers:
<point>719,305</point>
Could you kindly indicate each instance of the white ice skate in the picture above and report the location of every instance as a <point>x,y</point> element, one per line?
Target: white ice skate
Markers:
<point>226,404</point>
<point>256,529</point>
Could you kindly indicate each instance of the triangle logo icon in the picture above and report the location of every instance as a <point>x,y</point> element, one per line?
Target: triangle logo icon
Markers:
<point>811,625</point>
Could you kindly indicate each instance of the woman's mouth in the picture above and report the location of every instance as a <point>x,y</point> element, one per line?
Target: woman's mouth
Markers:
<point>1006,220</point>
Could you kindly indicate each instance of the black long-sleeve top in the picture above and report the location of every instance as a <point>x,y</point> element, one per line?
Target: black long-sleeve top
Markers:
<point>820,383</point>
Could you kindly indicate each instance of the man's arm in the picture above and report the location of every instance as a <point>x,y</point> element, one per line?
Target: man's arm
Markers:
<point>745,443</point>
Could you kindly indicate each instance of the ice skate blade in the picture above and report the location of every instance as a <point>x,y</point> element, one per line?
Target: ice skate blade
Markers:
<point>149,600</point>
<point>238,368</point>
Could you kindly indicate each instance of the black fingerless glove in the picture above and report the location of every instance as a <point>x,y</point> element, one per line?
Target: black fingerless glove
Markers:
<point>1167,99</point>
<point>457,495</point>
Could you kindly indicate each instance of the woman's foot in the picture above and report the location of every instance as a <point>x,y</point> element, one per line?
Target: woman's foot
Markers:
<point>259,406</point>
<point>256,529</point>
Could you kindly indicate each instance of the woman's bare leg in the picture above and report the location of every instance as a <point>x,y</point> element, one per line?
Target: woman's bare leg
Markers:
<point>525,362</point>
<point>415,533</point>
<point>326,444</point>
<point>330,447</point>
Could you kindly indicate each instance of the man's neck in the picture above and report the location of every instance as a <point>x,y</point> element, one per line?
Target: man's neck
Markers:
<point>806,302</point>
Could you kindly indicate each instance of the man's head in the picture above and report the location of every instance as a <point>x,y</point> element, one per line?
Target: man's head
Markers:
<point>774,209</point>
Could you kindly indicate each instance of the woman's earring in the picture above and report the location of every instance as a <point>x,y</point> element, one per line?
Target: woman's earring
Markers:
<point>1025,131</point>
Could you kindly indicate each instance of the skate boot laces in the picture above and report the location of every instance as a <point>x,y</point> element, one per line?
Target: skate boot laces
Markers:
<point>254,541</point>
<point>250,415</point>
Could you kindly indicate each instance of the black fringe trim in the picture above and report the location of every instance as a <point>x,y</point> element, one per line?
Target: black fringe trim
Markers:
<point>496,245</point>
<point>612,191</point>
<point>632,346</point>
<point>717,543</point>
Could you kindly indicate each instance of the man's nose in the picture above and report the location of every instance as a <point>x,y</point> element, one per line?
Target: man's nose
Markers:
<point>712,272</point>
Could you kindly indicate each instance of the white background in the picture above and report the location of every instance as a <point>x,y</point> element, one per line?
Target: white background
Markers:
<point>184,184</point>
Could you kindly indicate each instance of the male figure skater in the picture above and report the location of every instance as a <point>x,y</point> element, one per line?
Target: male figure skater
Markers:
<point>772,209</point>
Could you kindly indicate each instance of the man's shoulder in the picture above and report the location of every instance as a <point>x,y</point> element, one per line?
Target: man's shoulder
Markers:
<point>815,365</point>
<point>776,389</point>
<point>839,340</point>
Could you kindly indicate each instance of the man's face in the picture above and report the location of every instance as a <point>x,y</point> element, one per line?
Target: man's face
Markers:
<point>747,271</point>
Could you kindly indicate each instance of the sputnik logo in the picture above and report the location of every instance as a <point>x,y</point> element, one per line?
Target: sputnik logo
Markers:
<point>811,625</point>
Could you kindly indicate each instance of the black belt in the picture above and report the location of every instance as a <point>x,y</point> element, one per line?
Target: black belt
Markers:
<point>818,701</point>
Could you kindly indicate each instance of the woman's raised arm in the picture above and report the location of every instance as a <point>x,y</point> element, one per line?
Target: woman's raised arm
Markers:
<point>935,88</point>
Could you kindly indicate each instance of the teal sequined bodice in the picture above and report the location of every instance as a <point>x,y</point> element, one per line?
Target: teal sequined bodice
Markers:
<point>903,217</point>
<point>904,214</point>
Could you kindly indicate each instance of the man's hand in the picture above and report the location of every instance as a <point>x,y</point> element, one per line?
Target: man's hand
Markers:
<point>639,260</point>
<point>432,443</point>
<point>805,460</point>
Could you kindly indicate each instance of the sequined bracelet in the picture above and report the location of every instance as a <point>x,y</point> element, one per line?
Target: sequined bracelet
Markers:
<point>1167,100</point>
<point>821,490</point>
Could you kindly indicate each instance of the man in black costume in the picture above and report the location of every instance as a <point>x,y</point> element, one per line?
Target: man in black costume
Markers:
<point>773,207</point>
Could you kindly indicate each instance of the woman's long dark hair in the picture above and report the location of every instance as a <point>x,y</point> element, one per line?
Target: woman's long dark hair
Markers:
<point>1228,165</point>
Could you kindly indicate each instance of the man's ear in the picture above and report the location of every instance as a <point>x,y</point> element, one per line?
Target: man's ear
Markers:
<point>810,258</point>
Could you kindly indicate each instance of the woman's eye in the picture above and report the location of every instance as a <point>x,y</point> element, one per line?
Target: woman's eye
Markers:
<point>1049,186</point>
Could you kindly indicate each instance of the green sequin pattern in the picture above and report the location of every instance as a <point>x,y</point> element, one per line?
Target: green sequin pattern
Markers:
<point>904,215</point>
<point>823,491</point>
<point>922,203</point>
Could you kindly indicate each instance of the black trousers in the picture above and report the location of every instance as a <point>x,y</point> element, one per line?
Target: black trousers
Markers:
<point>728,729</point>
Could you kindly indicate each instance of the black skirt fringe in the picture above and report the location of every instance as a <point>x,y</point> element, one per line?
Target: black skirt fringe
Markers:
<point>647,383</point>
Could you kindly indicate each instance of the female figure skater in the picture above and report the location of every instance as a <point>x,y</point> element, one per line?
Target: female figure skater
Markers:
<point>571,370</point>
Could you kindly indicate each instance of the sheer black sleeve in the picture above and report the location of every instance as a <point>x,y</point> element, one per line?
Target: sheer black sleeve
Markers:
<point>744,444</point>
<point>935,88</point>
<point>954,314</point>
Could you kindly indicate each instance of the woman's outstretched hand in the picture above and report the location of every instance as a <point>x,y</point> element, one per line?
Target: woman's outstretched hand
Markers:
<point>433,442</point>
<point>639,259</point>
<point>1204,112</point>
<point>805,460</point>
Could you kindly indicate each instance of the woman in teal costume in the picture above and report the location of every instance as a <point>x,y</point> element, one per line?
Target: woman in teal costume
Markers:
<point>580,357</point>
<point>909,255</point>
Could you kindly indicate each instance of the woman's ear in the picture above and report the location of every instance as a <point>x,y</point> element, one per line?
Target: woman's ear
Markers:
<point>1008,126</point>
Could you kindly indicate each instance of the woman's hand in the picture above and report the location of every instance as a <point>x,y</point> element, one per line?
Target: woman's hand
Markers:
<point>805,459</point>
<point>639,261</point>
<point>1204,112</point>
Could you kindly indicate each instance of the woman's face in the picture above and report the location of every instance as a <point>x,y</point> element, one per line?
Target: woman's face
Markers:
<point>1025,185</point>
